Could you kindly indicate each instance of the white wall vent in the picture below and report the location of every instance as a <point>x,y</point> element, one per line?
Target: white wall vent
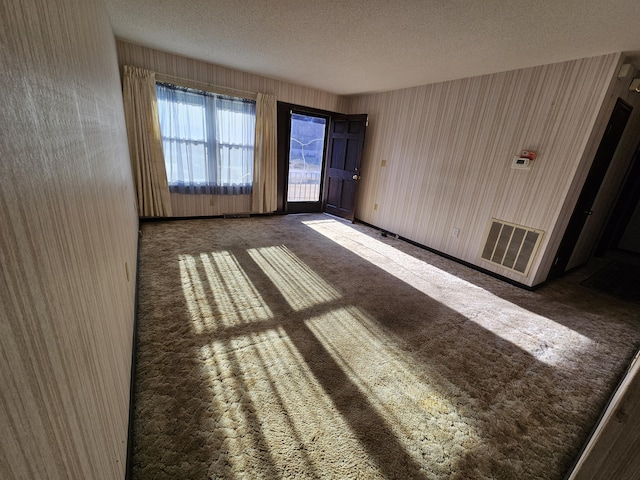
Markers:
<point>511,246</point>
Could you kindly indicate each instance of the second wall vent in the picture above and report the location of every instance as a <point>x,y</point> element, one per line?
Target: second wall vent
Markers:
<point>511,246</point>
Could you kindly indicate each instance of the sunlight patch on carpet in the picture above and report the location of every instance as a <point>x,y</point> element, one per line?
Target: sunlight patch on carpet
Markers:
<point>548,341</point>
<point>420,407</point>
<point>267,408</point>
<point>348,355</point>
<point>299,285</point>
<point>230,300</point>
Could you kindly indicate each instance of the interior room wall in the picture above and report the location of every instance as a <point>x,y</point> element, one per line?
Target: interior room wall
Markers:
<point>448,148</point>
<point>67,244</point>
<point>615,176</point>
<point>178,66</point>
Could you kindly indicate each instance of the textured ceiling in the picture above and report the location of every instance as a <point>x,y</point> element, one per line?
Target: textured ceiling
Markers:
<point>358,46</point>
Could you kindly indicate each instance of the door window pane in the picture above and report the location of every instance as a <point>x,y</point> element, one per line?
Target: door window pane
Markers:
<point>305,157</point>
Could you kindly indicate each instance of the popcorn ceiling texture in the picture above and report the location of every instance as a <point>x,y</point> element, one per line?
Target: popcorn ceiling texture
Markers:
<point>376,45</point>
<point>306,347</point>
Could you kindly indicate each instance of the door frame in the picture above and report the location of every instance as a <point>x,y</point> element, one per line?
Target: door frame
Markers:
<point>590,188</point>
<point>284,111</point>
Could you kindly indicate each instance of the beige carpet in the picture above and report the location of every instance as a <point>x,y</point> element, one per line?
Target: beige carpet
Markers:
<point>305,347</point>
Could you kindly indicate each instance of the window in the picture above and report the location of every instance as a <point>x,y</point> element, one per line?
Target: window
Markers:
<point>208,140</point>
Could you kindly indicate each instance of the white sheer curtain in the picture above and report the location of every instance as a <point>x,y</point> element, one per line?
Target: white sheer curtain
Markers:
<point>264,197</point>
<point>145,143</point>
<point>208,141</point>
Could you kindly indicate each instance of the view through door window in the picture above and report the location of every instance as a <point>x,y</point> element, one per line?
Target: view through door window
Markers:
<point>305,157</point>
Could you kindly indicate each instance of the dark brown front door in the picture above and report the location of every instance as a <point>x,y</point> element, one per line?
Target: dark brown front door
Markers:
<point>346,138</point>
<point>601,162</point>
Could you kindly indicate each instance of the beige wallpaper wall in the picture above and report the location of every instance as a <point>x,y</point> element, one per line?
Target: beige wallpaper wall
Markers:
<point>169,64</point>
<point>68,241</point>
<point>184,205</point>
<point>447,150</point>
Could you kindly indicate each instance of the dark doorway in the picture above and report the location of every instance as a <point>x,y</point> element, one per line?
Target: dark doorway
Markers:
<point>583,209</point>
<point>623,210</point>
<point>346,138</point>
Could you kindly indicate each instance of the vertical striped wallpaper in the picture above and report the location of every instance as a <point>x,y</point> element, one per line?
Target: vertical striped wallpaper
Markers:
<point>183,67</point>
<point>178,66</point>
<point>184,205</point>
<point>67,245</point>
<point>448,150</point>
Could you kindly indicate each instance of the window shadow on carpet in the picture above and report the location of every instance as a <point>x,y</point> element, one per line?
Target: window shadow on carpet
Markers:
<point>267,351</point>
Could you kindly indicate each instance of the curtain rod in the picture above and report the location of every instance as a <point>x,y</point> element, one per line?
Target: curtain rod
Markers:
<point>161,77</point>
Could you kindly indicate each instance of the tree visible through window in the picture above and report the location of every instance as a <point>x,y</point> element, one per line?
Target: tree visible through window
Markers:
<point>208,140</point>
<point>306,151</point>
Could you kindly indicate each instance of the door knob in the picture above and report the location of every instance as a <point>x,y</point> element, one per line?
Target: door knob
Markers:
<point>356,177</point>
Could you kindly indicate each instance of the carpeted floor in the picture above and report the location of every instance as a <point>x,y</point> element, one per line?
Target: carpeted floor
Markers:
<point>306,347</point>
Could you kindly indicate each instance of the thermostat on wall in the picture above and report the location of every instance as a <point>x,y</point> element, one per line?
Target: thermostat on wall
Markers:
<point>523,163</point>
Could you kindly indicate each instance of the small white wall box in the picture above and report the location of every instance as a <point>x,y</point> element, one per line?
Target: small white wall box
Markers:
<point>523,161</point>
<point>624,70</point>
